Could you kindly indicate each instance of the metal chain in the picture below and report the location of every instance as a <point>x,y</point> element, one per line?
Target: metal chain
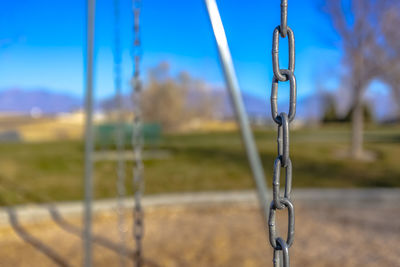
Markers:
<point>119,138</point>
<point>137,137</point>
<point>281,246</point>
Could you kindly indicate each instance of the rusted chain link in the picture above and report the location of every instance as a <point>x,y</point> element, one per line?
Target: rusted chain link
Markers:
<point>281,246</point>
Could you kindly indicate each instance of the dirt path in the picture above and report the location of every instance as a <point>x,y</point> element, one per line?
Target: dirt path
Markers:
<point>328,233</point>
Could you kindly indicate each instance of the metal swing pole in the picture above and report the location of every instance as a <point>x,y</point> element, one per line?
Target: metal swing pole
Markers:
<point>241,115</point>
<point>88,175</point>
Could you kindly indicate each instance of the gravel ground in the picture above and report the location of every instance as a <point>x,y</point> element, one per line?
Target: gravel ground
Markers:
<point>225,234</point>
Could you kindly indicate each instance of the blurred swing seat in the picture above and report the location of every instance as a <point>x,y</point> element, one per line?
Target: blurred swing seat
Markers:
<point>106,134</point>
<point>106,137</point>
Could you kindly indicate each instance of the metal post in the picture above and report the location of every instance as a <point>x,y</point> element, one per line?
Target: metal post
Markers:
<point>234,90</point>
<point>87,232</point>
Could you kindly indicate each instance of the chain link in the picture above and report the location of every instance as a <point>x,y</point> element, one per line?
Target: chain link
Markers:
<point>275,53</point>
<point>283,26</point>
<point>137,136</point>
<point>119,134</point>
<point>281,246</point>
<point>293,96</point>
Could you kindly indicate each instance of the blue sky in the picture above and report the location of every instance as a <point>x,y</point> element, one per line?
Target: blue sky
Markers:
<point>42,43</point>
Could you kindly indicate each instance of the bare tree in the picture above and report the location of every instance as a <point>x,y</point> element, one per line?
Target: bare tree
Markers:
<point>358,30</point>
<point>388,49</point>
<point>163,100</point>
<point>174,101</point>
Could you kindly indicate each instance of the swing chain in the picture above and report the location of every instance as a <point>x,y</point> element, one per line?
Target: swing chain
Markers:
<point>283,26</point>
<point>119,133</point>
<point>283,120</point>
<point>137,137</point>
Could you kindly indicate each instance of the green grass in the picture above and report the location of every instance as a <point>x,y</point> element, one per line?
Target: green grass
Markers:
<point>43,172</point>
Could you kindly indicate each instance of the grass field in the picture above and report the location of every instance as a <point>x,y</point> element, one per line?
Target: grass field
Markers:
<point>53,171</point>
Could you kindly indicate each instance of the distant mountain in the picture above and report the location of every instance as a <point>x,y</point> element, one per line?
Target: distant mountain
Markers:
<point>308,107</point>
<point>45,102</point>
<point>39,100</point>
<point>255,106</point>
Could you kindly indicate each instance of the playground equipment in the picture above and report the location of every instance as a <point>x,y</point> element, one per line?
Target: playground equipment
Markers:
<point>283,120</point>
<point>108,134</point>
<point>137,137</point>
<point>283,160</point>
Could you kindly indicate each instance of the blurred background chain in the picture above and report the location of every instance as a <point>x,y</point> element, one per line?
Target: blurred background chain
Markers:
<point>137,136</point>
<point>119,134</point>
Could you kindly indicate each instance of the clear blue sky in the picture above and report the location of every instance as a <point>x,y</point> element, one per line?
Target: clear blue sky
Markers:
<point>42,42</point>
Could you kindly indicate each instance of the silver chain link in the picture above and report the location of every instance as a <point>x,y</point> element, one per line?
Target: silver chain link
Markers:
<point>137,137</point>
<point>281,246</point>
<point>119,138</point>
